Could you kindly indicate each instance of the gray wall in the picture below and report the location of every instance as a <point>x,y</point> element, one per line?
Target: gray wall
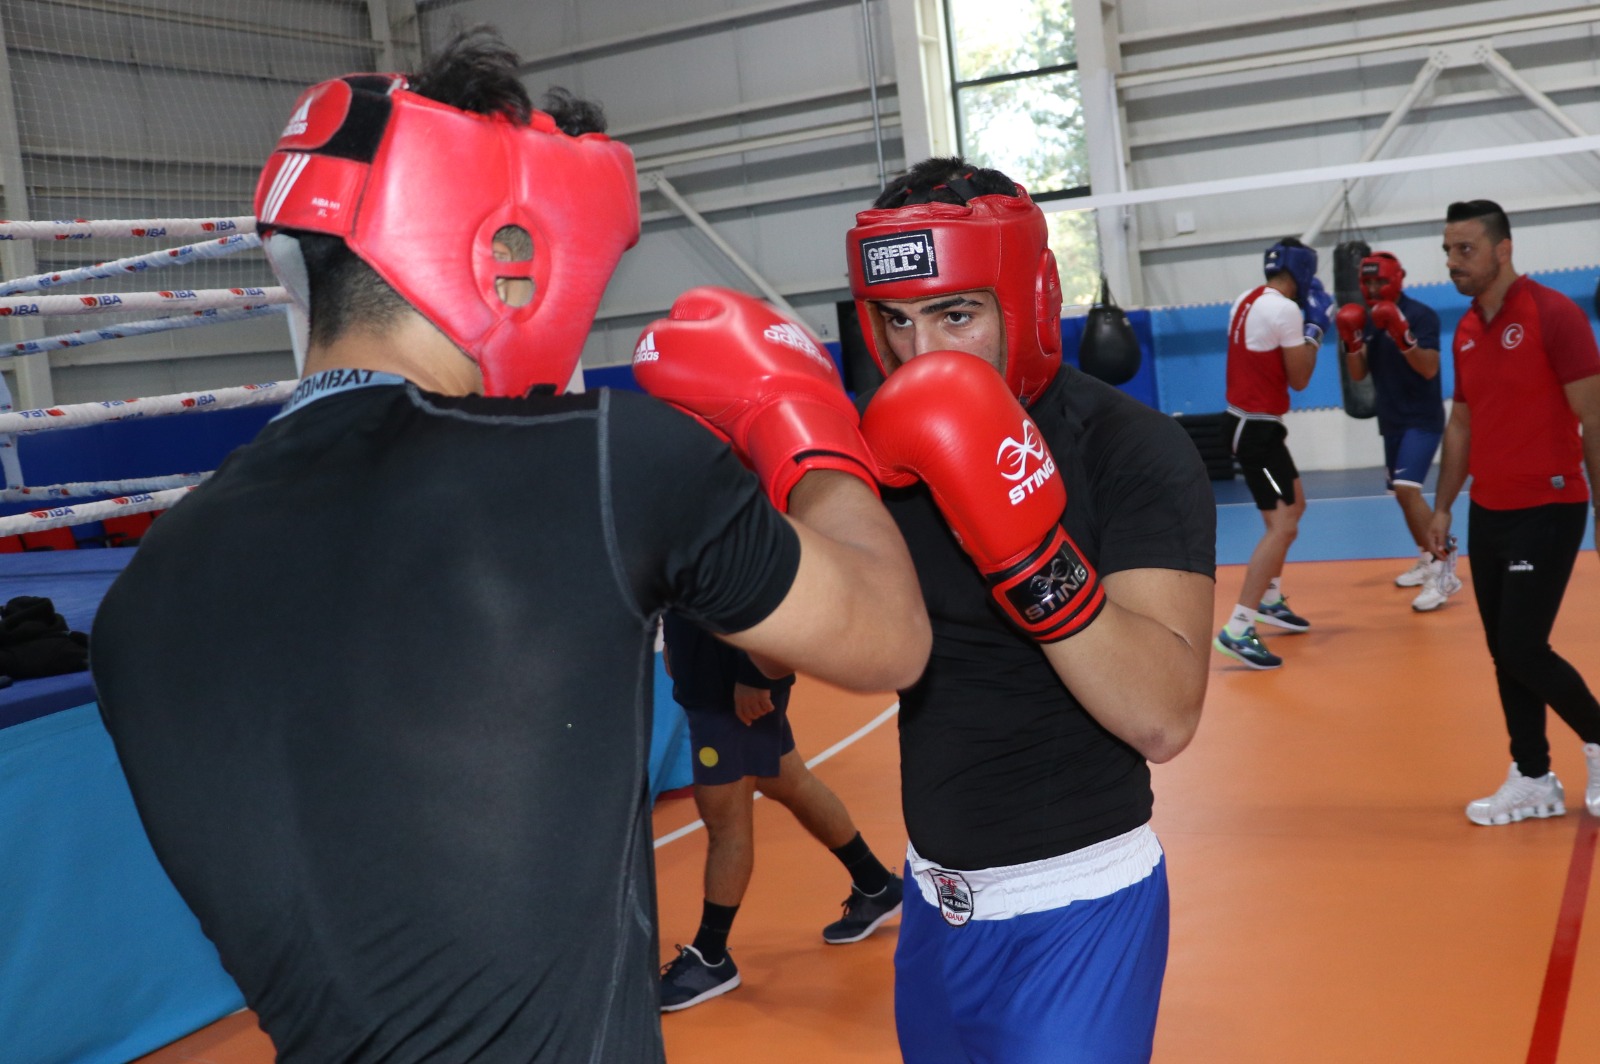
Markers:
<point>758,112</point>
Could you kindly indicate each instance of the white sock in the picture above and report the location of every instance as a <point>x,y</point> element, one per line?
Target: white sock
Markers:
<point>1243,618</point>
<point>1274,593</point>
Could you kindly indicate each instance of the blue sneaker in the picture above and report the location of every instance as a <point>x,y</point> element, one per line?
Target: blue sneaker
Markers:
<point>1279,615</point>
<point>1247,648</point>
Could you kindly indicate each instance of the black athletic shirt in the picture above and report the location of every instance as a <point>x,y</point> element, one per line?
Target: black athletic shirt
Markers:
<point>999,763</point>
<point>381,688</point>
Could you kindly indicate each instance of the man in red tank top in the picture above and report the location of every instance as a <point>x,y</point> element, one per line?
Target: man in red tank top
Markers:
<point>1527,376</point>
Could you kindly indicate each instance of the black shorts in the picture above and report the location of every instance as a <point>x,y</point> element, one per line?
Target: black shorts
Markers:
<point>1264,460</point>
<point>724,749</point>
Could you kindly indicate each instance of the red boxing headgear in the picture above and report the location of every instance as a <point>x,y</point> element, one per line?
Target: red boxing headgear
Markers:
<point>993,241</point>
<point>1385,267</point>
<point>418,189</point>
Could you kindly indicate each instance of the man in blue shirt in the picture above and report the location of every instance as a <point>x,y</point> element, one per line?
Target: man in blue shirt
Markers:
<point>1396,339</point>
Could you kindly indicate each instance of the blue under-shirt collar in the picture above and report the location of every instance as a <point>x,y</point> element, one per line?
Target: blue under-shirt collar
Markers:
<point>332,382</point>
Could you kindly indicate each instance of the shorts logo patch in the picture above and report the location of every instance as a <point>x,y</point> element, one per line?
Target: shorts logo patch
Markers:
<point>899,257</point>
<point>709,757</point>
<point>955,897</point>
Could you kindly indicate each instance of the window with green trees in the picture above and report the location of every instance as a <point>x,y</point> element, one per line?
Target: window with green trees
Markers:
<point>1018,108</point>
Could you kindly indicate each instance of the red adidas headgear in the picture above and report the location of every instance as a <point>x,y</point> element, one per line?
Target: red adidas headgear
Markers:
<point>418,189</point>
<point>992,241</point>
<point>1385,267</point>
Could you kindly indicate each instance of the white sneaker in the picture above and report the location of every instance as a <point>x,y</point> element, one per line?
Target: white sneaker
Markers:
<point>1519,798</point>
<point>1591,797</point>
<point>1412,577</point>
<point>1439,582</point>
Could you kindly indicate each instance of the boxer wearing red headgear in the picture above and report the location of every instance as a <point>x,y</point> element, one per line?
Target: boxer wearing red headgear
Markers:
<point>1066,552</point>
<point>360,160</point>
<point>423,833</point>
<point>994,241</point>
<point>1395,339</point>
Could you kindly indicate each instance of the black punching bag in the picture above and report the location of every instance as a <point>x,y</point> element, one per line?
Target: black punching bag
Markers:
<point>1109,349</point>
<point>1360,397</point>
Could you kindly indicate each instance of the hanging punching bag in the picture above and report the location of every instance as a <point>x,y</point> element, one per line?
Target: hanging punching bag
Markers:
<point>1360,397</point>
<point>1109,349</point>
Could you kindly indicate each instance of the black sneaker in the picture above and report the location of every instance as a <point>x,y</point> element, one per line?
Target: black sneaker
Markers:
<point>864,913</point>
<point>688,980</point>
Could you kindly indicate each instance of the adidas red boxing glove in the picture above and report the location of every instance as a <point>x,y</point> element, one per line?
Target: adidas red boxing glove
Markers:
<point>1390,318</point>
<point>948,419</point>
<point>1352,323</point>
<point>760,381</point>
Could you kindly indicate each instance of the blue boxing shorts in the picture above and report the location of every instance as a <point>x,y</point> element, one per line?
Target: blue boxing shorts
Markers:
<point>1407,456</point>
<point>724,749</point>
<point>1051,962</point>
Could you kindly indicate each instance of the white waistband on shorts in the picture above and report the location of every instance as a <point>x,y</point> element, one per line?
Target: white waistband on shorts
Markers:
<point>1039,886</point>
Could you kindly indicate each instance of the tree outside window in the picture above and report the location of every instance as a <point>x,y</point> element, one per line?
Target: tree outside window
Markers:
<point>1019,109</point>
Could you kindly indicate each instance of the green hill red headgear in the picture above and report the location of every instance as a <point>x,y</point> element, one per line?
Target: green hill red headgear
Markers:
<point>995,242</point>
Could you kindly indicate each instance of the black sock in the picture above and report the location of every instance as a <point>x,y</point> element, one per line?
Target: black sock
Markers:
<point>866,871</point>
<point>715,923</point>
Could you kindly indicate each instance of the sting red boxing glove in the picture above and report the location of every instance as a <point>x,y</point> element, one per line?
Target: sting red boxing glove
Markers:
<point>760,381</point>
<point>949,420</point>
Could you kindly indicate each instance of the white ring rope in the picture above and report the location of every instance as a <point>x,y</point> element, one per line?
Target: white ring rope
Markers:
<point>59,516</point>
<point>136,328</point>
<point>83,229</point>
<point>102,487</point>
<point>64,417</point>
<point>177,299</point>
<point>155,260</point>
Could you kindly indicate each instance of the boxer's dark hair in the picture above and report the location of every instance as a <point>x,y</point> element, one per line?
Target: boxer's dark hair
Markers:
<point>1495,222</point>
<point>944,179</point>
<point>473,71</point>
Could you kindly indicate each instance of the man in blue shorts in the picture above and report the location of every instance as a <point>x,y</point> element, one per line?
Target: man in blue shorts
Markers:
<point>1064,534</point>
<point>1396,339</point>
<point>741,740</point>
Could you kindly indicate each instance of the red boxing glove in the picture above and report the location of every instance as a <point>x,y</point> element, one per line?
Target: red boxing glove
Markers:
<point>1387,316</point>
<point>949,420</point>
<point>1352,323</point>
<point>758,380</point>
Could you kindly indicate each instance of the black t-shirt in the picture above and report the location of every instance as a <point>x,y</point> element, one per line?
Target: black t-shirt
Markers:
<point>1000,764</point>
<point>1406,399</point>
<point>381,689</point>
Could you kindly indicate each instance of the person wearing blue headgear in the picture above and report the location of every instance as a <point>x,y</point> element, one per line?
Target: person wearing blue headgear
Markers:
<point>1274,331</point>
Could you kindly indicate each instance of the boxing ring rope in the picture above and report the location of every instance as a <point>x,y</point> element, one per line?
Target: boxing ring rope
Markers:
<point>136,328</point>
<point>83,229</point>
<point>188,308</point>
<point>154,260</point>
<point>60,516</point>
<point>70,417</point>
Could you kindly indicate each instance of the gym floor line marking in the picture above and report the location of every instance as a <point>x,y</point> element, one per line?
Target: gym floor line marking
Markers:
<point>1546,1041</point>
<point>859,733</point>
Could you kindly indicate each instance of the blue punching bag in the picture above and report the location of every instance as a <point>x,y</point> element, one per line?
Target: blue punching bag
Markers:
<point>1109,349</point>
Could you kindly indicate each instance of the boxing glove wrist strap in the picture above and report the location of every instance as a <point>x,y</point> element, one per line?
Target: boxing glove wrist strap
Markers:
<point>1052,593</point>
